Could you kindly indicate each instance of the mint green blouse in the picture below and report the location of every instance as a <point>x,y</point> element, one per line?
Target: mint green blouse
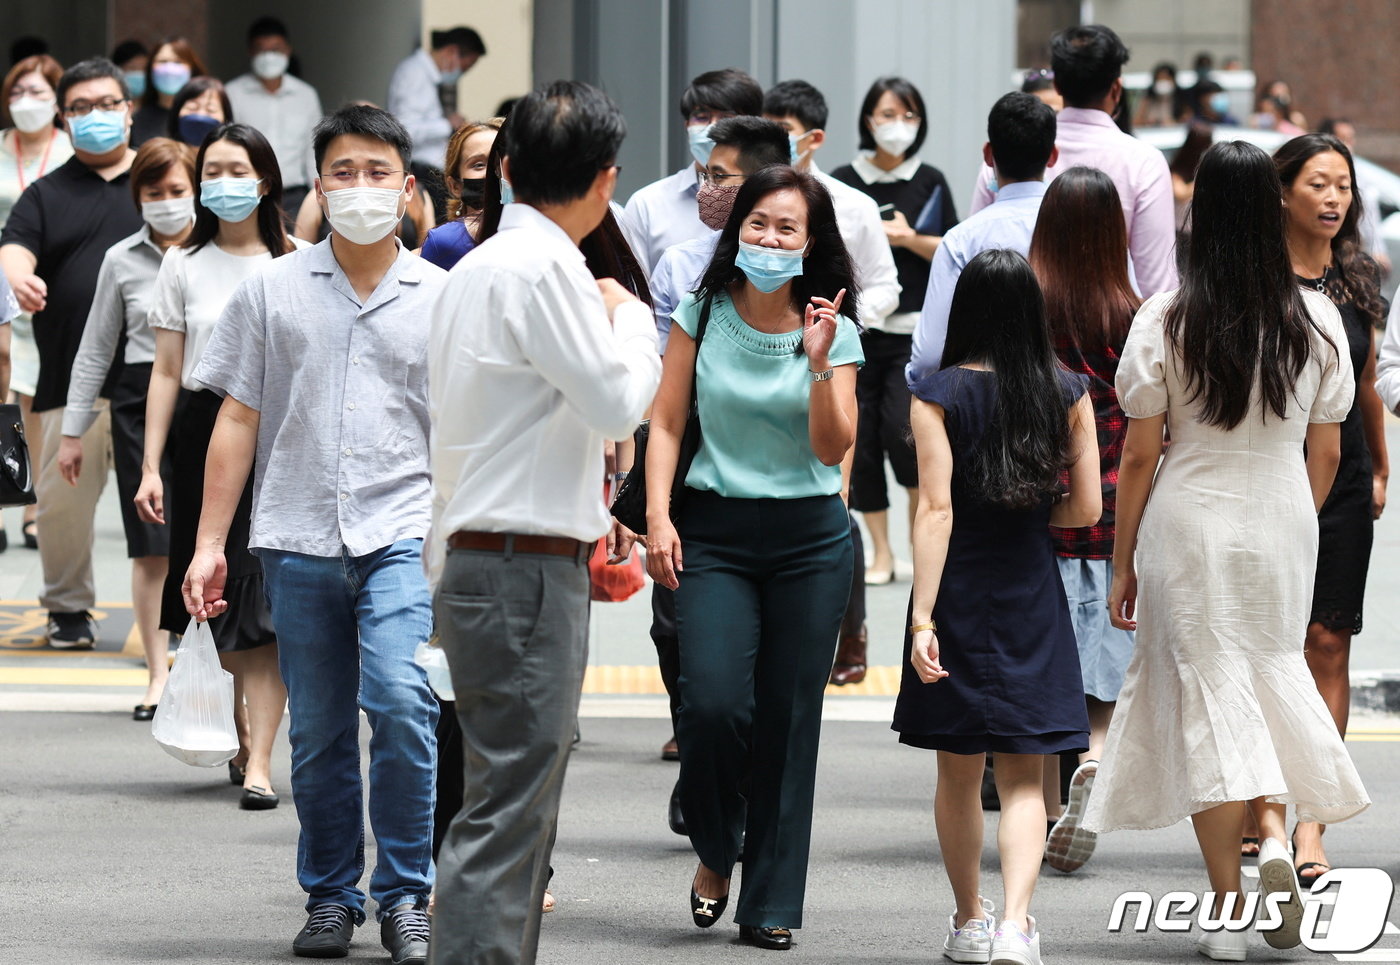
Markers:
<point>752,390</point>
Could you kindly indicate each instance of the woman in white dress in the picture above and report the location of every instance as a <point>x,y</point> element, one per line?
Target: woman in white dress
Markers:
<point>1219,711</point>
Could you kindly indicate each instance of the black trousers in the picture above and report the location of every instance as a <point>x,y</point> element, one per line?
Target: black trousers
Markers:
<point>882,428</point>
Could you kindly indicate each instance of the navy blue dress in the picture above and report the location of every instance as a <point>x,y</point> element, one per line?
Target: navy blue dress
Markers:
<point>1004,629</point>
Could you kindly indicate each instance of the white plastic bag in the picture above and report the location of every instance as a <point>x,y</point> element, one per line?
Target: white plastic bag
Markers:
<point>430,657</point>
<point>194,720</point>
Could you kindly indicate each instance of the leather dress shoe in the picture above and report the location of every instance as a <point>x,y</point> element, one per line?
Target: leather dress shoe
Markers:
<point>850,659</point>
<point>706,911</point>
<point>674,817</point>
<point>777,939</point>
<point>669,750</point>
<point>144,712</point>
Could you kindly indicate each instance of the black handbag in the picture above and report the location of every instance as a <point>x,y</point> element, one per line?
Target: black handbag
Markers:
<point>16,471</point>
<point>629,506</point>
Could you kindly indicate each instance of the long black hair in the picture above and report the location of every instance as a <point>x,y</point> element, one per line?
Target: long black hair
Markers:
<point>997,318</point>
<point>826,269</point>
<point>1358,276</point>
<point>1239,316</point>
<point>271,228</point>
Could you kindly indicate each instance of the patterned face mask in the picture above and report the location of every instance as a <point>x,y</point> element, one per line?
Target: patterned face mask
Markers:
<point>716,201</point>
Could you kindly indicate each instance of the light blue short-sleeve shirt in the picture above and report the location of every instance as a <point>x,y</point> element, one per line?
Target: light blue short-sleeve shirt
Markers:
<point>753,391</point>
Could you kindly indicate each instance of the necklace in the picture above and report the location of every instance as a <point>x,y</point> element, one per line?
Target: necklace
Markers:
<point>1321,284</point>
<point>43,162</point>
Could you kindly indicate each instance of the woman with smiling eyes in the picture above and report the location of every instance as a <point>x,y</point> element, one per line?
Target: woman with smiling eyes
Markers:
<point>760,554</point>
<point>1323,208</point>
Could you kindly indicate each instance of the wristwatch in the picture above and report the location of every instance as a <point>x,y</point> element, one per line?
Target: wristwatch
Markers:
<point>823,376</point>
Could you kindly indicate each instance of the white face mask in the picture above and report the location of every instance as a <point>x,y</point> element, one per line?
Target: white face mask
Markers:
<point>269,65</point>
<point>895,137</point>
<point>31,114</point>
<point>363,215</point>
<point>1163,87</point>
<point>169,217</point>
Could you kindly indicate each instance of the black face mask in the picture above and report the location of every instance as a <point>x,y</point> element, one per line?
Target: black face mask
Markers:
<point>473,193</point>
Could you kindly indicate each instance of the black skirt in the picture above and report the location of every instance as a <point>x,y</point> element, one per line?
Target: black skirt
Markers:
<point>247,624</point>
<point>128,443</point>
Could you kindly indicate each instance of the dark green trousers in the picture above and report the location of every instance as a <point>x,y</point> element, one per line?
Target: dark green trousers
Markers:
<point>765,584</point>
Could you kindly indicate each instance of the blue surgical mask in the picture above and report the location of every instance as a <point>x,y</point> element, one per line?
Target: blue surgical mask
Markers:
<point>768,268</point>
<point>700,143</point>
<point>1220,102</point>
<point>194,128</point>
<point>507,192</point>
<point>798,155</point>
<point>98,132</point>
<point>170,77</point>
<point>449,77</point>
<point>136,83</point>
<point>992,185</point>
<point>230,199</point>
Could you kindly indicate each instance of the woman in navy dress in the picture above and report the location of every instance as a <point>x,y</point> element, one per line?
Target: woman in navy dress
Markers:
<point>993,664</point>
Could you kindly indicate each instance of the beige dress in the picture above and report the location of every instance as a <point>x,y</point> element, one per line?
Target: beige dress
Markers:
<point>1219,704</point>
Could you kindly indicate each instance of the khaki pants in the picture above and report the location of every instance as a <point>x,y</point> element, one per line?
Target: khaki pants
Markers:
<point>66,514</point>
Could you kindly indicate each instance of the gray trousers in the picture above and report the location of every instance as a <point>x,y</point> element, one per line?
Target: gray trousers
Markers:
<point>515,630</point>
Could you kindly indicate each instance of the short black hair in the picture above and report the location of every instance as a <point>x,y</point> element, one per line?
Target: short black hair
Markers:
<point>465,39</point>
<point>559,137</point>
<point>94,68</point>
<point>729,90</point>
<point>267,27</point>
<point>1021,129</point>
<point>364,121</point>
<point>128,49</point>
<point>799,99</point>
<point>27,46</point>
<point>912,99</point>
<point>760,142</point>
<point>1086,60</point>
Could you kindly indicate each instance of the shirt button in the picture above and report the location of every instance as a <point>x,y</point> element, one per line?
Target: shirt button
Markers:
<point>355,360</point>
<point>349,452</point>
<point>344,496</point>
<point>350,406</point>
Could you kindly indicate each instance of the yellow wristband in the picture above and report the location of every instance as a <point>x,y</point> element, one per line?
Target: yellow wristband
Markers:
<point>919,627</point>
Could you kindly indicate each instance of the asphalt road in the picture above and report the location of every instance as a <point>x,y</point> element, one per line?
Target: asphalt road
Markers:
<point>115,852</point>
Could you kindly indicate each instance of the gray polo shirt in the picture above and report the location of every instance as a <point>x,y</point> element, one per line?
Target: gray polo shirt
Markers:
<point>342,392</point>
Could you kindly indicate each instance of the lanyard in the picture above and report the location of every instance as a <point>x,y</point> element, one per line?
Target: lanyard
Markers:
<point>43,162</point>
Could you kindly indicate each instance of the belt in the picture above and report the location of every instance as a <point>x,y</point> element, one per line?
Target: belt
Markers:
<point>509,543</point>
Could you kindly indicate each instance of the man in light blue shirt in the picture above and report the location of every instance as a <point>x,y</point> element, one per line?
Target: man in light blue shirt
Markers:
<point>743,145</point>
<point>1020,145</point>
<point>665,213</point>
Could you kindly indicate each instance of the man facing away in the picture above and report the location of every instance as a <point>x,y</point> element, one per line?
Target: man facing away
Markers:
<point>517,508</point>
<point>322,359</point>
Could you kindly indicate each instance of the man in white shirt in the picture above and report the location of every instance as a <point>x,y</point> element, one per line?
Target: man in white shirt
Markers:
<point>284,108</point>
<point>532,367</point>
<point>801,109</point>
<point>665,213</point>
<point>415,98</point>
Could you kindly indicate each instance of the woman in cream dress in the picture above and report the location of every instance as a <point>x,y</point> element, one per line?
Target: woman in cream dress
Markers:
<point>1219,711</point>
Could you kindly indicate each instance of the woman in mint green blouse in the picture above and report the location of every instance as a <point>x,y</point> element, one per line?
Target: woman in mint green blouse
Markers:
<point>760,553</point>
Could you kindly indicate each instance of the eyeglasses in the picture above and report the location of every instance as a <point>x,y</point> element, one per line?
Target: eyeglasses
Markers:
<point>704,116</point>
<point>83,108</point>
<point>344,177</point>
<point>42,93</point>
<point>720,180</point>
<point>887,115</point>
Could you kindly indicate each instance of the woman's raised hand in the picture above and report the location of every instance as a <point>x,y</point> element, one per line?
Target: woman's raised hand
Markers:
<point>819,329</point>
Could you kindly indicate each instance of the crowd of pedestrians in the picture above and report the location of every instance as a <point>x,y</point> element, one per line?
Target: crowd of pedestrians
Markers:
<point>293,336</point>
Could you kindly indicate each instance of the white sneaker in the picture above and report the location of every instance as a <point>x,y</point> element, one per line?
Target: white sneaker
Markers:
<point>1011,947</point>
<point>1223,946</point>
<point>1276,874</point>
<point>1070,844</point>
<point>973,941</point>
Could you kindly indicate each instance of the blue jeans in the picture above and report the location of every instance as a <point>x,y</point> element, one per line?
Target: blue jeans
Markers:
<point>347,627</point>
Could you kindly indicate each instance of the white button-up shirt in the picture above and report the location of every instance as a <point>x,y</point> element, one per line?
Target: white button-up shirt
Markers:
<point>662,214</point>
<point>526,381</point>
<point>285,117</point>
<point>341,388</point>
<point>1388,362</point>
<point>858,217</point>
<point>413,99</point>
<point>1139,172</point>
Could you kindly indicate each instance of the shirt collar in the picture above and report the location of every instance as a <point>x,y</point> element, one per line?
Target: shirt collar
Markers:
<point>519,215</point>
<point>687,179</point>
<point>426,59</point>
<point>871,173</point>
<point>1086,115</point>
<point>1021,189</point>
<point>407,269</point>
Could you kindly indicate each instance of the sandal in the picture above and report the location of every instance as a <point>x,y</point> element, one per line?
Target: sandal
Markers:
<point>31,534</point>
<point>1309,871</point>
<point>1249,847</point>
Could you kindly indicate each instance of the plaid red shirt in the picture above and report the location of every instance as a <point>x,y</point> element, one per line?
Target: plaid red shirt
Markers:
<point>1096,542</point>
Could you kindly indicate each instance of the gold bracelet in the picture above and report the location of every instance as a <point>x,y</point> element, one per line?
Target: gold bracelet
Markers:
<point>920,627</point>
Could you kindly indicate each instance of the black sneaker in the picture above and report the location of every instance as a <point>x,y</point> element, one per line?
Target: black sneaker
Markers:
<point>404,932</point>
<point>326,933</point>
<point>72,631</point>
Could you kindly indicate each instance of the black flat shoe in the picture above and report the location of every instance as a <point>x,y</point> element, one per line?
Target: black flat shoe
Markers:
<point>257,799</point>
<point>30,530</point>
<point>777,939</point>
<point>236,774</point>
<point>706,911</point>
<point>144,712</point>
